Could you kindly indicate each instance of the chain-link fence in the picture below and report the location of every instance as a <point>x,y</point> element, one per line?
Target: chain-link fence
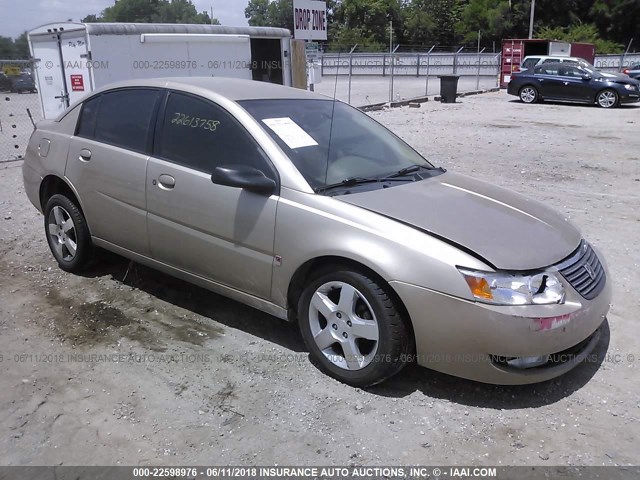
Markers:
<point>19,107</point>
<point>370,78</point>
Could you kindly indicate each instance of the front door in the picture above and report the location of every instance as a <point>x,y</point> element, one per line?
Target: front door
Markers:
<point>217,232</point>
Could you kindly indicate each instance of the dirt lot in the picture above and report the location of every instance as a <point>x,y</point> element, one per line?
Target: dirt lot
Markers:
<point>127,366</point>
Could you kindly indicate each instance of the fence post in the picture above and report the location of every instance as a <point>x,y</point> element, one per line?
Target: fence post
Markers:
<point>391,81</point>
<point>478,74</point>
<point>350,72</point>
<point>384,65</point>
<point>455,61</point>
<point>418,66</point>
<point>426,86</point>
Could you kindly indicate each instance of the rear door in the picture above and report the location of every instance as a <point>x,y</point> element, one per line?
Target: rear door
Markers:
<point>221,233</point>
<point>107,164</point>
<point>548,80</point>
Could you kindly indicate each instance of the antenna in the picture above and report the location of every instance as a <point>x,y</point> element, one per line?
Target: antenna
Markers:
<point>333,109</point>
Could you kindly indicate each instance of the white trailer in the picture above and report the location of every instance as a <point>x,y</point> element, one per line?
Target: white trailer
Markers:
<point>72,59</point>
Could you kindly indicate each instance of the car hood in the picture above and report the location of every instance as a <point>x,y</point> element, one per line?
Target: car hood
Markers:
<point>506,229</point>
<point>620,77</point>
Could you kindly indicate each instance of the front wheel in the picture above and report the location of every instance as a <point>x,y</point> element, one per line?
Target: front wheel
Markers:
<point>529,94</point>
<point>353,328</point>
<point>67,233</point>
<point>607,99</point>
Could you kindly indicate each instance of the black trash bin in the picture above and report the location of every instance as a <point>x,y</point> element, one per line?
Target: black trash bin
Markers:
<point>448,88</point>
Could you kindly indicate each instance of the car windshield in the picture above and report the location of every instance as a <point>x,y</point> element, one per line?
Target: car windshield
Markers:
<point>330,142</point>
<point>591,70</point>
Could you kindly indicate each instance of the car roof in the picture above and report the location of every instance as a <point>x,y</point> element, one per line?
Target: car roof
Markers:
<point>559,57</point>
<point>232,88</point>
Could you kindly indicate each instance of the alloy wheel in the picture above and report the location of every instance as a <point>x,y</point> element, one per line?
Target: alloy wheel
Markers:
<point>607,99</point>
<point>62,232</point>
<point>528,95</point>
<point>343,325</point>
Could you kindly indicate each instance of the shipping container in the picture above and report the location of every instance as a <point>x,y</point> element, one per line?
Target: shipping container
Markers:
<point>72,59</point>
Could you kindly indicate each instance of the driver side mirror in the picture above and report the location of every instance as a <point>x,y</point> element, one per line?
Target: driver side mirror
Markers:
<point>243,176</point>
<point>586,77</point>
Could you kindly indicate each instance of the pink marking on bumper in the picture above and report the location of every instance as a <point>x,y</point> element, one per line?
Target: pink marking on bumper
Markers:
<point>550,323</point>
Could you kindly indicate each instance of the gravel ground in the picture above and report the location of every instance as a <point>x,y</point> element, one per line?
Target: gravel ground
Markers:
<point>201,379</point>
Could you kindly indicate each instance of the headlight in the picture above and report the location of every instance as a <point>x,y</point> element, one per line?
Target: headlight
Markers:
<point>628,86</point>
<point>501,288</point>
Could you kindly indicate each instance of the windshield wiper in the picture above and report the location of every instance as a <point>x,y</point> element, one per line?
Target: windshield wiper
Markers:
<point>347,182</point>
<point>412,169</point>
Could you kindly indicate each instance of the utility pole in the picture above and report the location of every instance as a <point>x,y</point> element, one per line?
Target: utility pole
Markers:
<point>391,36</point>
<point>211,15</point>
<point>533,12</point>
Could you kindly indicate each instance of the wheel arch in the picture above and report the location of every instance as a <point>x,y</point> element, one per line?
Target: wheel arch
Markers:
<point>304,272</point>
<point>52,185</point>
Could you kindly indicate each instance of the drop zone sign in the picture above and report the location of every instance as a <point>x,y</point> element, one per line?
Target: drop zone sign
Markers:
<point>310,20</point>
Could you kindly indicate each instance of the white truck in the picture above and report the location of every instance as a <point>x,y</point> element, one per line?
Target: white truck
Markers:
<point>72,59</point>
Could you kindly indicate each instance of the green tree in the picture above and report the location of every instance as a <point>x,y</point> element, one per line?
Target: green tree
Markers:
<point>587,33</point>
<point>257,12</point>
<point>431,21</point>
<point>21,46</point>
<point>371,18</point>
<point>6,47</point>
<point>152,11</point>
<point>281,14</point>
<point>495,19</point>
<point>618,20</point>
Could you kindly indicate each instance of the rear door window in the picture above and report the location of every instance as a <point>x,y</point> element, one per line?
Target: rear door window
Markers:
<point>122,118</point>
<point>549,69</point>
<point>530,62</point>
<point>198,134</point>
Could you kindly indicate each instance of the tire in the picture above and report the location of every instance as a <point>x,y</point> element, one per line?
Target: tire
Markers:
<point>62,236</point>
<point>363,339</point>
<point>528,94</point>
<point>608,98</point>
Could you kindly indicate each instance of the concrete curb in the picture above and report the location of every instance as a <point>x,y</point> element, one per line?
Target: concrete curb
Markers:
<point>414,102</point>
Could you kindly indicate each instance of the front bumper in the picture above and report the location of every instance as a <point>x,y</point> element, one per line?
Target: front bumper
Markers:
<point>630,97</point>
<point>473,340</point>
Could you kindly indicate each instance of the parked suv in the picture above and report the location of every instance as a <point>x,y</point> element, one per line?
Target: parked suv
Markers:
<point>535,60</point>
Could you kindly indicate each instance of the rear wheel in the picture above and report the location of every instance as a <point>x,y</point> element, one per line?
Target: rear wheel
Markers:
<point>608,99</point>
<point>353,328</point>
<point>529,94</point>
<point>67,233</point>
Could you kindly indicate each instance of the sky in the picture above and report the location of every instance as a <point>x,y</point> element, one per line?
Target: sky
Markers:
<point>16,16</point>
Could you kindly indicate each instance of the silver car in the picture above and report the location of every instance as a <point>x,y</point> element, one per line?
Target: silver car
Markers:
<point>308,209</point>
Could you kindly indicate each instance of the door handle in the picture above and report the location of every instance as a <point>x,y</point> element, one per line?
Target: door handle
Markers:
<point>166,182</point>
<point>85,155</point>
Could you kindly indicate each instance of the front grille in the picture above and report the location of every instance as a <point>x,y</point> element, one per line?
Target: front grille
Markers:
<point>584,271</point>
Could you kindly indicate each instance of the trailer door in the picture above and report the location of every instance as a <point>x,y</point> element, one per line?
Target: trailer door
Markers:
<point>62,72</point>
<point>73,47</point>
<point>49,74</point>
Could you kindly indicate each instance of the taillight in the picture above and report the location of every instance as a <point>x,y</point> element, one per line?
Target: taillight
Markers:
<point>626,71</point>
